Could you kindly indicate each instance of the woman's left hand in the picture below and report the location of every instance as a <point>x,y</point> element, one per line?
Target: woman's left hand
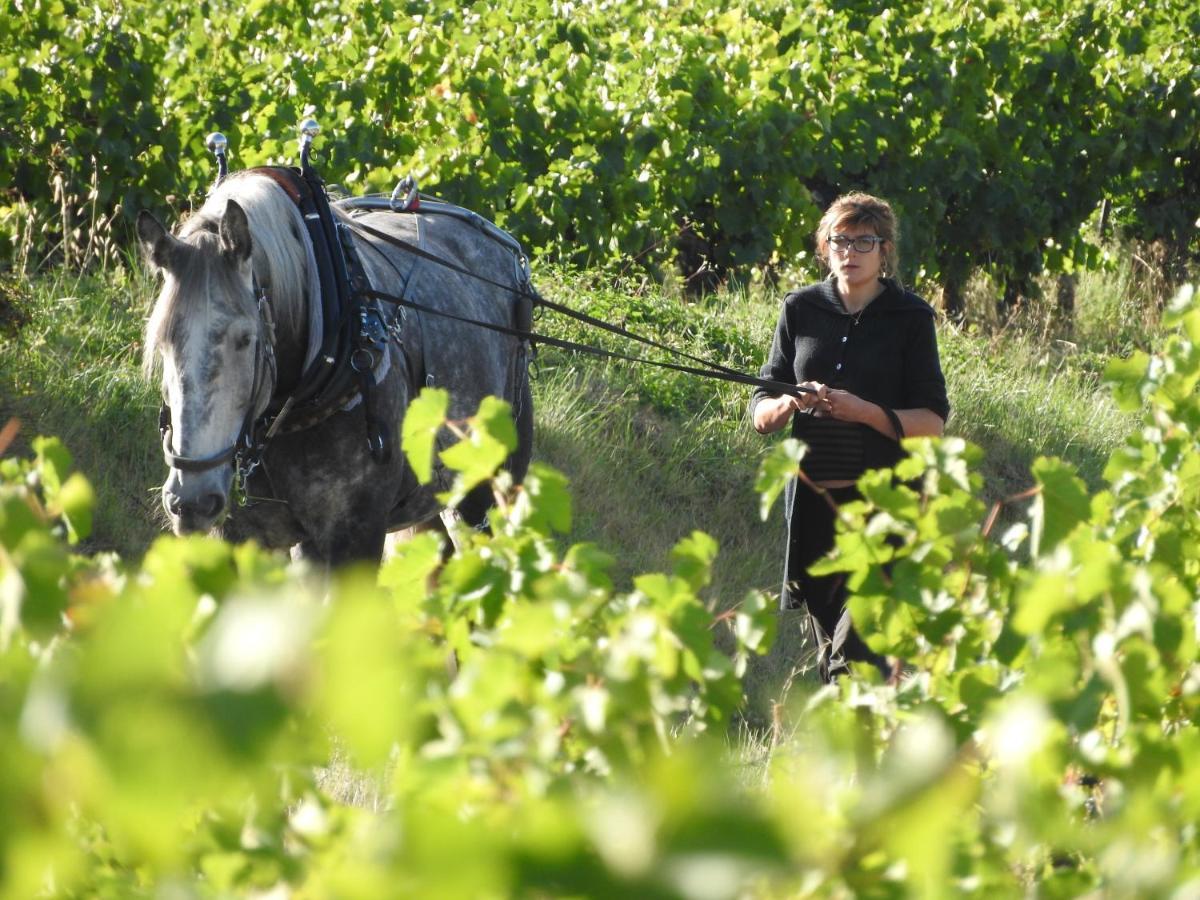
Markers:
<point>847,406</point>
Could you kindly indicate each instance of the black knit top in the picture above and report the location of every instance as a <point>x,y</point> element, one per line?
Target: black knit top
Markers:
<point>887,354</point>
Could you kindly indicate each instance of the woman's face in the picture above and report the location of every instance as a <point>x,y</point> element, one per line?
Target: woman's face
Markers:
<point>851,266</point>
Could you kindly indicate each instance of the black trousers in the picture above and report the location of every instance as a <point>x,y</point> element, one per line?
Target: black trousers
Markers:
<point>810,521</point>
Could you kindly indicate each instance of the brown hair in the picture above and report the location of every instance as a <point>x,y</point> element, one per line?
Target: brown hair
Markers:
<point>862,209</point>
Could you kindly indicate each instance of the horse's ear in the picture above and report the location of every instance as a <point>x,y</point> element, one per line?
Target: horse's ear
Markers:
<point>235,233</point>
<point>155,239</point>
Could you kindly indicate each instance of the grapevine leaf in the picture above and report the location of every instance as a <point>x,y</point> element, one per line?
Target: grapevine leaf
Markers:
<point>693,558</point>
<point>422,422</point>
<point>494,419</point>
<point>1127,377</point>
<point>776,471</point>
<point>1060,505</point>
<point>75,501</point>
<point>544,503</point>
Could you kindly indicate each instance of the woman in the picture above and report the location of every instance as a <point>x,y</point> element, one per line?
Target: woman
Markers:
<point>867,350</point>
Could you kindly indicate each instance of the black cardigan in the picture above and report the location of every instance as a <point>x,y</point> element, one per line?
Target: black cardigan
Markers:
<point>888,355</point>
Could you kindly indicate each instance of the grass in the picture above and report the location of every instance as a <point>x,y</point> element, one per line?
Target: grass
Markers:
<point>70,367</point>
<point>651,455</point>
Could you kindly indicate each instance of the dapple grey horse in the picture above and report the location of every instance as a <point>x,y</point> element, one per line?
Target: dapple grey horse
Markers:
<point>238,320</point>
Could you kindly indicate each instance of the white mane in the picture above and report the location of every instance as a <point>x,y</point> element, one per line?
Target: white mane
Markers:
<point>282,258</point>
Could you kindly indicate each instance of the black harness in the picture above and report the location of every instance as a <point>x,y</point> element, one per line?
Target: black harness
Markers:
<point>356,331</point>
<point>355,337</point>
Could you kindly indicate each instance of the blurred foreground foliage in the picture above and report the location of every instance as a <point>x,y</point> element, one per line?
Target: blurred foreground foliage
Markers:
<point>165,725</point>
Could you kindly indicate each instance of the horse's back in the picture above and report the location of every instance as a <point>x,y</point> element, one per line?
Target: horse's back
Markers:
<point>470,361</point>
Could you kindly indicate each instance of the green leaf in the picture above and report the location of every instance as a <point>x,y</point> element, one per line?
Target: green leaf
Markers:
<point>591,562</point>
<point>779,468</point>
<point>544,503</point>
<point>54,463</point>
<point>476,458</point>
<point>75,502</point>
<point>693,557</point>
<point>1127,377</point>
<point>422,422</point>
<point>17,518</point>
<point>1061,504</point>
<point>1009,644</point>
<point>1184,310</point>
<point>36,587</point>
<point>900,500</point>
<point>370,681</point>
<point>495,420</point>
<point>754,627</point>
<point>1041,600</point>
<point>410,566</point>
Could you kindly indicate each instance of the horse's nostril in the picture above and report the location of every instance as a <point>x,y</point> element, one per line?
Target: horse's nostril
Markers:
<point>173,504</point>
<point>210,505</point>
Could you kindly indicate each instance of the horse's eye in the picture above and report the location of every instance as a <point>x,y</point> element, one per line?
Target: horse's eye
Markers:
<point>242,341</point>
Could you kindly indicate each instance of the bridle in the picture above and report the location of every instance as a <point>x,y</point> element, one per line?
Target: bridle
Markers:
<point>245,450</point>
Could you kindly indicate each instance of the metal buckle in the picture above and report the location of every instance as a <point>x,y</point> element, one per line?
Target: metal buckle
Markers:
<point>246,461</point>
<point>407,187</point>
<point>371,326</point>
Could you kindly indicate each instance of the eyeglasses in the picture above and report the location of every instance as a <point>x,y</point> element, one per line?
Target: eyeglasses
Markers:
<point>864,243</point>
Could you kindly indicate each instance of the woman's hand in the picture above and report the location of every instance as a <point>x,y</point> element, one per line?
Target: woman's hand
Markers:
<point>817,398</point>
<point>850,407</point>
<point>772,413</point>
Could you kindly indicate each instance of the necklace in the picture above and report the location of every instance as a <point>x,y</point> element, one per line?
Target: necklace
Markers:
<point>854,316</point>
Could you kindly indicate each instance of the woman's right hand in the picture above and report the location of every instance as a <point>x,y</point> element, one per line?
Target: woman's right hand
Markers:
<point>816,399</point>
<point>772,413</point>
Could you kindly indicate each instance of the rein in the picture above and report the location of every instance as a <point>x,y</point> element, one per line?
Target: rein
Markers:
<point>706,369</point>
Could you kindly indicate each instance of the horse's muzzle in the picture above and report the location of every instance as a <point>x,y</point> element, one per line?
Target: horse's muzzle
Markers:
<point>196,504</point>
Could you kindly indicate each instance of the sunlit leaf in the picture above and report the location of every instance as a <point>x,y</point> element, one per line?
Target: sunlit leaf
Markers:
<point>776,471</point>
<point>422,422</point>
<point>1060,505</point>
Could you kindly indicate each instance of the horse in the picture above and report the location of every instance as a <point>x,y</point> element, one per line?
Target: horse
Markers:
<point>238,321</point>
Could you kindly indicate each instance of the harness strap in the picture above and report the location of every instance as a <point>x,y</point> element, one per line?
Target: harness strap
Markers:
<point>722,374</point>
<point>708,365</point>
<point>354,339</point>
<point>308,193</point>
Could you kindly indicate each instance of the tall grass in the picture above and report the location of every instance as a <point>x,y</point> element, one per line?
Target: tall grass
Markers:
<point>70,367</point>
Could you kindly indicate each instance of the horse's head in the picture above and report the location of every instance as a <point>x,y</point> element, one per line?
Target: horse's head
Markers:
<point>216,350</point>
